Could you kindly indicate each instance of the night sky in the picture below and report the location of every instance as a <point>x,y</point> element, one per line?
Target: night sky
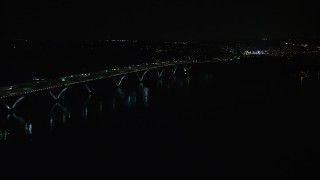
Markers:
<point>158,19</point>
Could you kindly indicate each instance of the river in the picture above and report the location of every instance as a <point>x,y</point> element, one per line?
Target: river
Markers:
<point>216,121</point>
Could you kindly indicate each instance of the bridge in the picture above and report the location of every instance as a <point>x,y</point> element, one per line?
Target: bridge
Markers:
<point>43,85</point>
<point>19,92</point>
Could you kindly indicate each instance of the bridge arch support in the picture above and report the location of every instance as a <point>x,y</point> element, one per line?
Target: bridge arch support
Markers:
<point>87,87</point>
<point>14,104</point>
<point>174,70</point>
<point>56,98</point>
<point>160,72</point>
<point>141,77</point>
<point>118,83</point>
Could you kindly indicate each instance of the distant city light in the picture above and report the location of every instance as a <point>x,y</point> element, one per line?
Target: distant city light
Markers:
<point>121,40</point>
<point>259,52</point>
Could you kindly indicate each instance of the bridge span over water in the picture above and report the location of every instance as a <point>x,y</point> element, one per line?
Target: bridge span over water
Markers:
<point>43,85</point>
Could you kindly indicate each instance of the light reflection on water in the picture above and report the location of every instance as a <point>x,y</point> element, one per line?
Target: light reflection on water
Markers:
<point>59,115</point>
<point>113,104</point>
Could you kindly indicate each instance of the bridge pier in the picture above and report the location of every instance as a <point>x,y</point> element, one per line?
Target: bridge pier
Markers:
<point>118,83</point>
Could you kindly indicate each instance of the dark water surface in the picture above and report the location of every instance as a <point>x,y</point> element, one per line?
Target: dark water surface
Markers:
<point>218,121</point>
